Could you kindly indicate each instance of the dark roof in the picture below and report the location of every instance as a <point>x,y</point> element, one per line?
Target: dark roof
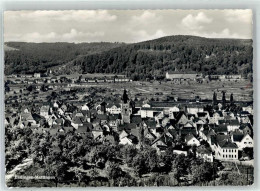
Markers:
<point>201,114</point>
<point>151,123</point>
<point>188,137</point>
<point>102,117</point>
<point>203,150</point>
<point>87,127</point>
<point>162,104</point>
<point>229,121</point>
<point>152,109</point>
<point>223,141</point>
<point>227,144</point>
<point>113,117</point>
<point>245,125</point>
<point>238,137</point>
<point>77,120</point>
<point>116,103</point>
<point>221,128</point>
<point>136,119</point>
<point>127,126</point>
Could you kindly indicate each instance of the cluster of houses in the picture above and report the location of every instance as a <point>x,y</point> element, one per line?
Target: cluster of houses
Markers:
<point>192,76</point>
<point>187,128</point>
<point>38,78</point>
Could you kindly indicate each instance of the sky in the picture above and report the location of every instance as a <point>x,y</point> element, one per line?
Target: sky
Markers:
<point>124,25</point>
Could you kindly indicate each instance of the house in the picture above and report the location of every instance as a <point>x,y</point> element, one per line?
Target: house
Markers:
<point>204,153</point>
<point>97,131</point>
<point>148,134</point>
<point>181,150</point>
<point>85,128</point>
<point>181,118</point>
<point>224,148</point>
<point>246,128</point>
<point>172,110</point>
<point>159,116</point>
<point>44,111</point>
<point>103,118</point>
<point>215,117</point>
<point>242,140</point>
<point>159,144</point>
<point>194,109</point>
<point>113,108</point>
<point>128,140</point>
<point>151,125</point>
<point>232,124</point>
<point>149,112</point>
<point>76,122</point>
<point>206,134</point>
<point>165,121</point>
<point>85,107</point>
<point>221,129</point>
<point>113,122</point>
<point>37,75</point>
<point>27,117</point>
<point>190,140</point>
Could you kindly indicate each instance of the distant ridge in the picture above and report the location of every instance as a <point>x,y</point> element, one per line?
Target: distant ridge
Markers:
<point>148,59</point>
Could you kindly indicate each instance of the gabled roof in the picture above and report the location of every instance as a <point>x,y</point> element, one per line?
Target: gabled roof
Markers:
<point>223,141</point>
<point>221,128</point>
<point>227,144</point>
<point>151,123</point>
<point>136,119</point>
<point>77,120</point>
<point>245,125</point>
<point>237,137</point>
<point>115,103</point>
<point>189,137</point>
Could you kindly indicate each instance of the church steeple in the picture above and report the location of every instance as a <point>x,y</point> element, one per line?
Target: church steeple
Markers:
<point>126,110</point>
<point>125,97</point>
<point>214,98</point>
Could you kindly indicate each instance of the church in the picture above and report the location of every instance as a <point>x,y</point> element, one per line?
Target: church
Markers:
<point>126,108</point>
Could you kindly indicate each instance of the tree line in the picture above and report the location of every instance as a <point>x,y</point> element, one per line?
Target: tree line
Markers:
<point>139,61</point>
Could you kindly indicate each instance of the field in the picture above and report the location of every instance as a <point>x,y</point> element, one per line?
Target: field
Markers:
<point>241,90</point>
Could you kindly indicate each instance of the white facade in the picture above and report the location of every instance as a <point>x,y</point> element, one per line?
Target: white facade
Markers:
<point>114,110</point>
<point>194,110</point>
<point>247,141</point>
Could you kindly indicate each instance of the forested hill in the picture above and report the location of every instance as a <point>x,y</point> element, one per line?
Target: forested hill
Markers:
<point>22,57</point>
<point>155,57</point>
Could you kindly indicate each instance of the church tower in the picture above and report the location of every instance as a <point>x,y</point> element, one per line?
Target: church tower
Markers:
<point>126,109</point>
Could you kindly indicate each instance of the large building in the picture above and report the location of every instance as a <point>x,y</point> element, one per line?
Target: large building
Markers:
<point>179,76</point>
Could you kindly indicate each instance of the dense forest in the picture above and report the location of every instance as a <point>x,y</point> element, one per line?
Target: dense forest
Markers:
<point>139,60</point>
<point>28,58</point>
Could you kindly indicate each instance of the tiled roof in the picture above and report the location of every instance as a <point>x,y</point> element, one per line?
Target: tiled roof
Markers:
<point>189,136</point>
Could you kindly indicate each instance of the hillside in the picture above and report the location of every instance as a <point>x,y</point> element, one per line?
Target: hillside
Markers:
<point>152,58</point>
<point>38,57</point>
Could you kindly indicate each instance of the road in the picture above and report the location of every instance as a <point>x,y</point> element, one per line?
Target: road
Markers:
<point>25,164</point>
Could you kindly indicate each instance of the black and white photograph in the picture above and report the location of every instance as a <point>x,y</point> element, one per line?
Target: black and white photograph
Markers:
<point>128,98</point>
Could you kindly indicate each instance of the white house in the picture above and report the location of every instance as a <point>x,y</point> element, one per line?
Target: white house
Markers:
<point>194,109</point>
<point>243,141</point>
<point>191,140</point>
